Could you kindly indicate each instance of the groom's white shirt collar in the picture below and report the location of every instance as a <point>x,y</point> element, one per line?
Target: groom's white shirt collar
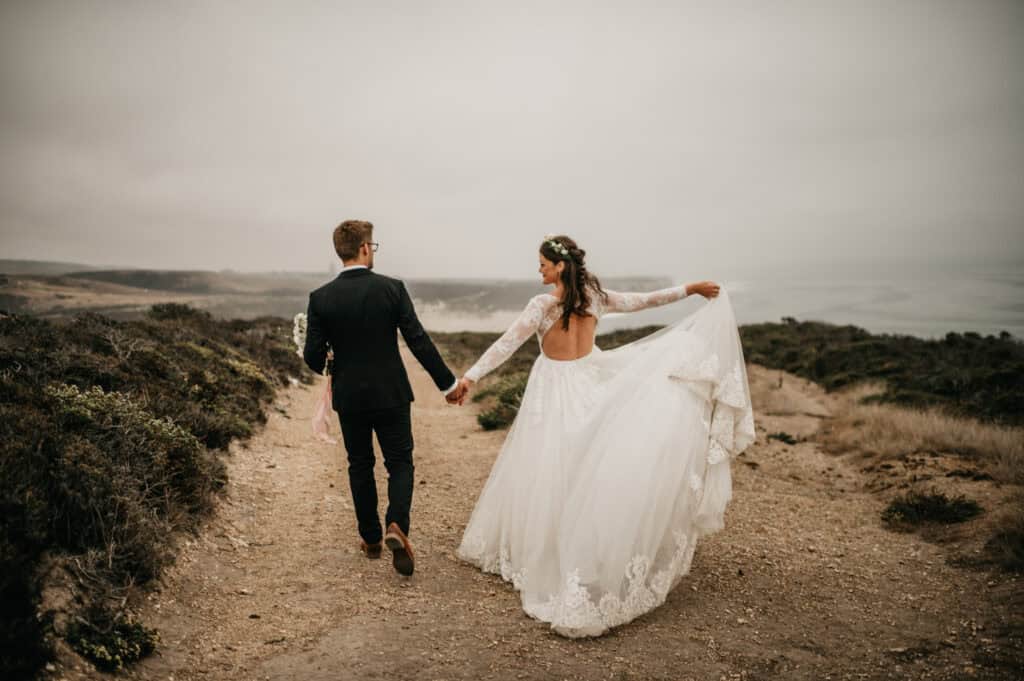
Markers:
<point>363,267</point>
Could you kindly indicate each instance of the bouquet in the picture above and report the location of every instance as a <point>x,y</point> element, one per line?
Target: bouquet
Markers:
<point>299,333</point>
<point>320,419</point>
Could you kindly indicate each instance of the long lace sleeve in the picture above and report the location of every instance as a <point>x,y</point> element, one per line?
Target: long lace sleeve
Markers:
<point>524,326</point>
<point>631,302</point>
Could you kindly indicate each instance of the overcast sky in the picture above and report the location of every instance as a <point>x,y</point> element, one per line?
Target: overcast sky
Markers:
<point>666,137</point>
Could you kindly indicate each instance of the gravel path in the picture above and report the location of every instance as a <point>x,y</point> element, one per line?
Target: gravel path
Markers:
<point>803,583</point>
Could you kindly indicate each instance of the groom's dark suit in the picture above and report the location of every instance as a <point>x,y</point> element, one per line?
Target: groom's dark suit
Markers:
<point>359,314</point>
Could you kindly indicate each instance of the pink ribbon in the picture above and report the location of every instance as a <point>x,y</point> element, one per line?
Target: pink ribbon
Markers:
<point>321,417</point>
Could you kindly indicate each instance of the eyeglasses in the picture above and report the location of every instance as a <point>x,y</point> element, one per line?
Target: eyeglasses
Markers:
<point>373,245</point>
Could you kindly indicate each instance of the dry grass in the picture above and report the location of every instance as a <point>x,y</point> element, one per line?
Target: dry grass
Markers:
<point>888,431</point>
<point>1006,546</point>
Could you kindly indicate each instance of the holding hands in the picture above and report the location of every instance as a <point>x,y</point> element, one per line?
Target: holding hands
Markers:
<point>458,396</point>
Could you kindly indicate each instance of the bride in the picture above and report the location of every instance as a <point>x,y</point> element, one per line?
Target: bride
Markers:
<point>617,461</point>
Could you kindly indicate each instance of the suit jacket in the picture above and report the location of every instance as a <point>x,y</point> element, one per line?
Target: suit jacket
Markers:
<point>359,314</point>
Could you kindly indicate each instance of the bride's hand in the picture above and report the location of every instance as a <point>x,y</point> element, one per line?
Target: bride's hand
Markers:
<point>464,385</point>
<point>708,289</point>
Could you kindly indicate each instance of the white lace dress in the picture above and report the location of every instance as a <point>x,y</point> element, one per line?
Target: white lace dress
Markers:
<point>615,464</point>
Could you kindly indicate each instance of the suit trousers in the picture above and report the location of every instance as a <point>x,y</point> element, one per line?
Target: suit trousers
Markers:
<point>393,427</point>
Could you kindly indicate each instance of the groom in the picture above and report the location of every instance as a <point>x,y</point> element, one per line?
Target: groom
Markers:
<point>358,315</point>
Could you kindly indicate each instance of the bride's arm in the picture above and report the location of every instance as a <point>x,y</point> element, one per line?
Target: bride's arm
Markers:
<point>523,327</point>
<point>631,302</point>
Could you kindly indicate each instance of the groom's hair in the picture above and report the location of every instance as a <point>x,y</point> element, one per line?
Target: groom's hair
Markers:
<point>349,236</point>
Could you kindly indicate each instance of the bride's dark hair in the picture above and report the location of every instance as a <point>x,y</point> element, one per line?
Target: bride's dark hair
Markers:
<point>575,278</point>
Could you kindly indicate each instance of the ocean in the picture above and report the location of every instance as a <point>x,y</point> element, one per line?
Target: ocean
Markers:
<point>923,302</point>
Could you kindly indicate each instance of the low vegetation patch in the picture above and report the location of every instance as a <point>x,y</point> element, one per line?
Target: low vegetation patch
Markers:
<point>507,392</point>
<point>109,433</point>
<point>966,374</point>
<point>111,643</point>
<point>916,508</point>
<point>783,436</point>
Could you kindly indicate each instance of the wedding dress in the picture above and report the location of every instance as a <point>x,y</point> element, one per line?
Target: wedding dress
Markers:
<point>615,465</point>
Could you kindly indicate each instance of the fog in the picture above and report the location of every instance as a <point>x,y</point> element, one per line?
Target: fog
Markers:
<point>675,139</point>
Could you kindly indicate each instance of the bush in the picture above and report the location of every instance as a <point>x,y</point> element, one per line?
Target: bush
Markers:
<point>783,436</point>
<point>966,374</point>
<point>916,508</point>
<point>108,440</point>
<point>509,394</point>
<point>111,643</point>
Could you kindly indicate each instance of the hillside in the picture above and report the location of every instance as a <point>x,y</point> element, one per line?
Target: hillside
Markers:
<point>111,436</point>
<point>126,294</point>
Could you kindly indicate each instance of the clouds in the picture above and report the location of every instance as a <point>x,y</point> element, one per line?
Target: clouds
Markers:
<point>667,139</point>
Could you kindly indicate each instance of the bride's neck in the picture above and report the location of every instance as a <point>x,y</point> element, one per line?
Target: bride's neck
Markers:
<point>559,291</point>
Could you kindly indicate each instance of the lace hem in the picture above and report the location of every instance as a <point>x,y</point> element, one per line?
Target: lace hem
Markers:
<point>473,550</point>
<point>573,612</point>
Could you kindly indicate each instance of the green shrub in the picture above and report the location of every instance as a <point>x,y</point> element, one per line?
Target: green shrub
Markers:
<point>499,416</point>
<point>783,436</point>
<point>108,440</point>
<point>916,508</point>
<point>111,643</point>
<point>967,374</point>
<point>508,391</point>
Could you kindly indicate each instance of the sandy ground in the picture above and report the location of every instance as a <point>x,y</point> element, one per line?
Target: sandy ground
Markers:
<point>803,583</point>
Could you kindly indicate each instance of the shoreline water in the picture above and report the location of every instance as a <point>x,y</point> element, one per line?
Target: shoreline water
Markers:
<point>882,298</point>
<point>908,308</point>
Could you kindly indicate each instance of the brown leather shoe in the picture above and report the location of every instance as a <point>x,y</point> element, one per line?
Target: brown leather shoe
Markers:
<point>371,550</point>
<point>401,550</point>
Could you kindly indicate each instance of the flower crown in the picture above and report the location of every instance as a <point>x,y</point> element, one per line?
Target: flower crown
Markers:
<point>556,246</point>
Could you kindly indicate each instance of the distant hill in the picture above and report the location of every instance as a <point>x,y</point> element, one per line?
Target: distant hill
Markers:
<point>42,267</point>
<point>54,290</point>
<point>207,282</point>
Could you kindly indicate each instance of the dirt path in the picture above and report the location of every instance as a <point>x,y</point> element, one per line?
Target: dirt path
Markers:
<point>802,584</point>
